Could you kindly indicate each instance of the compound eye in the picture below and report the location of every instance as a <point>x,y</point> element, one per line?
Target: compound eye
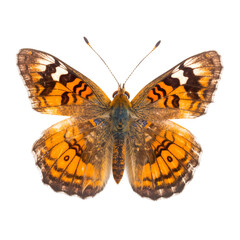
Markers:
<point>127,94</point>
<point>115,94</point>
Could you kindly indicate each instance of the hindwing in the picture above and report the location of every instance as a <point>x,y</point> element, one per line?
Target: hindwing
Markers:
<point>75,156</point>
<point>160,158</point>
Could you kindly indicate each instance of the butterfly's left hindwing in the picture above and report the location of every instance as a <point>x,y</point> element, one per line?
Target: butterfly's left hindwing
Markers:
<point>160,158</point>
<point>56,88</point>
<point>182,92</point>
<point>75,156</point>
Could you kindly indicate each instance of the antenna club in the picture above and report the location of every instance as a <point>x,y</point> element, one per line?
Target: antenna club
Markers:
<point>157,44</point>
<point>86,40</point>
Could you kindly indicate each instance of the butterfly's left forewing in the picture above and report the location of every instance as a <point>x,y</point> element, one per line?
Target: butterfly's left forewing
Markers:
<point>56,88</point>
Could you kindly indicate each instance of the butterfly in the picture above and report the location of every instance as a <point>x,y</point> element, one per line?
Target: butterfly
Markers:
<point>76,155</point>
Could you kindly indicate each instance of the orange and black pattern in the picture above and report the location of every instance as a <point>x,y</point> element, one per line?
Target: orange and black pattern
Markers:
<point>76,155</point>
<point>161,158</point>
<point>184,91</point>
<point>56,88</point>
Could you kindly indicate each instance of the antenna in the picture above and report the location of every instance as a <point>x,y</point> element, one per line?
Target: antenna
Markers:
<point>156,45</point>
<point>86,40</point>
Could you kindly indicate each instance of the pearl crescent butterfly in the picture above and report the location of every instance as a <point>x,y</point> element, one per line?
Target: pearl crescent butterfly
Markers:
<point>76,155</point>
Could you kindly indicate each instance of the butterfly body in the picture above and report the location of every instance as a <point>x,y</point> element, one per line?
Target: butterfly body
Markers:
<point>76,154</point>
<point>120,113</point>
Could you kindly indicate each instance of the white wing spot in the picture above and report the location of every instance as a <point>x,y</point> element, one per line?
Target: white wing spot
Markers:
<point>37,67</point>
<point>179,75</point>
<point>42,61</point>
<point>195,65</point>
<point>45,58</point>
<point>59,71</point>
<point>199,71</point>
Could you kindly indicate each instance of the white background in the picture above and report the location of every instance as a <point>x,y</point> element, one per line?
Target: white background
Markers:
<point>122,32</point>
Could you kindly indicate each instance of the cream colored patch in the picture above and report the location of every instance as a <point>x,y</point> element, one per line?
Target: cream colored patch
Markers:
<point>179,75</point>
<point>46,58</point>
<point>37,67</point>
<point>199,72</point>
<point>43,61</point>
<point>195,65</point>
<point>59,71</point>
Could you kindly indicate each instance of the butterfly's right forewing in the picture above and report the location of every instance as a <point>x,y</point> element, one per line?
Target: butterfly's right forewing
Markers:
<point>183,92</point>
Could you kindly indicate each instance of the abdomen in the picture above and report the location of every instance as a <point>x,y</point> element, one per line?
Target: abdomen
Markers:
<point>118,162</point>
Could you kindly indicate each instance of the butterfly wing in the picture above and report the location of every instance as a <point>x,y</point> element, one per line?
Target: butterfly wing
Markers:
<point>182,92</point>
<point>75,156</point>
<point>160,158</point>
<point>56,88</point>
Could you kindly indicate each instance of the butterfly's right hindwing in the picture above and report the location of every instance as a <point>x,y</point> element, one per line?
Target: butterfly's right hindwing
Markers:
<point>160,158</point>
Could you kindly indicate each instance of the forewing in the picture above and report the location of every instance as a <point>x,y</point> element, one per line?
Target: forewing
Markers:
<point>75,156</point>
<point>182,92</point>
<point>56,88</point>
<point>160,158</point>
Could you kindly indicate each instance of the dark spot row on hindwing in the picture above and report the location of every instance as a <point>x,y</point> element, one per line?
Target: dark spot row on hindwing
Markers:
<point>164,146</point>
<point>165,176</point>
<point>74,145</point>
<point>67,174</point>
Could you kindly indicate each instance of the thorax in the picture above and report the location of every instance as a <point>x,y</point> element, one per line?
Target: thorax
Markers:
<point>120,112</point>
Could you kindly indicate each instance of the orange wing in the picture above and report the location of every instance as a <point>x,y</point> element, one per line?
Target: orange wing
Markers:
<point>182,92</point>
<point>56,88</point>
<point>160,158</point>
<point>75,156</point>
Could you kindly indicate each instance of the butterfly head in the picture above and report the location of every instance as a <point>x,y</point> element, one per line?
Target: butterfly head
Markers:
<point>121,92</point>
